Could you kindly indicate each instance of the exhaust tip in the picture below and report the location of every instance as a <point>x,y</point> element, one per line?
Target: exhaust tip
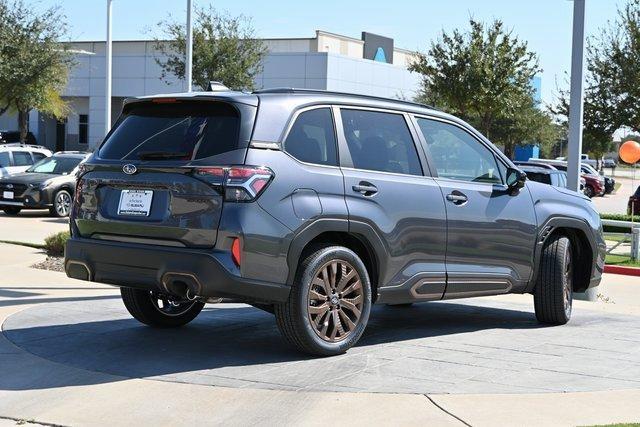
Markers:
<point>185,285</point>
<point>78,270</point>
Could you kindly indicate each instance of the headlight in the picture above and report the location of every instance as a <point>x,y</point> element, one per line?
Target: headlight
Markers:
<point>39,185</point>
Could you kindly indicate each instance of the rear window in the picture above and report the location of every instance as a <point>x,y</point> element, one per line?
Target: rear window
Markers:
<point>174,131</point>
<point>539,177</point>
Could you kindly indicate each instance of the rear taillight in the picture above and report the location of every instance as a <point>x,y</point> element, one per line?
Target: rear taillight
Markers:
<point>239,183</point>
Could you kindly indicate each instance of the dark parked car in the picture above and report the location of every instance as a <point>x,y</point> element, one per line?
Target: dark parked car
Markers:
<point>633,207</point>
<point>48,184</point>
<point>524,165</point>
<point>546,175</point>
<point>594,183</point>
<point>315,205</point>
<point>13,136</point>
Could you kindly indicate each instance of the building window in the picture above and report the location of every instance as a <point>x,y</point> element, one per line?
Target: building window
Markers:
<point>83,130</point>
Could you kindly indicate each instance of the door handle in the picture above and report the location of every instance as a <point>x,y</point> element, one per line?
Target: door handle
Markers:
<point>365,188</point>
<point>457,198</point>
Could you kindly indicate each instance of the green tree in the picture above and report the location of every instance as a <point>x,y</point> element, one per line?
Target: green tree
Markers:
<point>484,76</point>
<point>225,49</point>
<point>612,83</point>
<point>34,65</point>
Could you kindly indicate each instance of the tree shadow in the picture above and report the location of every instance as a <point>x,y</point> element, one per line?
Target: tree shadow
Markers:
<point>219,339</point>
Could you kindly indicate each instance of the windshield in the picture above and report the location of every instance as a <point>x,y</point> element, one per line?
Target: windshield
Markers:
<point>588,169</point>
<point>55,165</point>
<point>176,130</point>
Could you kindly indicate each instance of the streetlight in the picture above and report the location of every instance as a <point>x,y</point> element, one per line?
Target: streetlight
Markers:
<point>189,60</point>
<point>576,102</point>
<point>108,58</point>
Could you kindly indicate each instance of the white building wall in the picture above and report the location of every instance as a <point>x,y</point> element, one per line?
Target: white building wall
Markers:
<point>329,61</point>
<point>367,77</point>
<point>299,70</point>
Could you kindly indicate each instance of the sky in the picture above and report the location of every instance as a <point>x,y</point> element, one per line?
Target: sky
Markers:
<point>544,24</point>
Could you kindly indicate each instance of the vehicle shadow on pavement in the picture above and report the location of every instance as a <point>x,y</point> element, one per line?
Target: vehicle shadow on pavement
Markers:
<point>220,340</point>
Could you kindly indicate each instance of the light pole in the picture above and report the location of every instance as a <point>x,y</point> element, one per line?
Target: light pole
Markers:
<point>107,86</point>
<point>576,102</point>
<point>189,60</point>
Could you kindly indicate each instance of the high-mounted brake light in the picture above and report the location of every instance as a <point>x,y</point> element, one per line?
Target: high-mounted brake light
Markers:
<point>164,100</point>
<point>240,183</point>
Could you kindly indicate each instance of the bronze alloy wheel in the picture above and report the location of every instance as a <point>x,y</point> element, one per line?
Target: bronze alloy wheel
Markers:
<point>568,283</point>
<point>336,299</point>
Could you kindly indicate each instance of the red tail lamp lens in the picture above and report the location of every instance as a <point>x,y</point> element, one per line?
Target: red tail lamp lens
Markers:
<point>235,251</point>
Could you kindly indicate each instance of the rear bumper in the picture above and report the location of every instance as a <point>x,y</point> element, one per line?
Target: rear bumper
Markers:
<point>211,272</point>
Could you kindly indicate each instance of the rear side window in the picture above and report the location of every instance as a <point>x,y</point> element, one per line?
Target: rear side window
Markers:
<point>174,131</point>
<point>380,142</point>
<point>312,138</point>
<point>22,158</point>
<point>5,161</point>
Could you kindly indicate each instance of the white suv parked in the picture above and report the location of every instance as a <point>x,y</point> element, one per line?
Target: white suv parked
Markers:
<point>16,157</point>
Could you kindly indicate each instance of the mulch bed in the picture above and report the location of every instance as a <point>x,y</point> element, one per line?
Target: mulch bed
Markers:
<point>52,263</point>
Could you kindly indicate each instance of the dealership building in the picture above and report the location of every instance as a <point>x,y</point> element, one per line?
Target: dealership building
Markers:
<point>369,65</point>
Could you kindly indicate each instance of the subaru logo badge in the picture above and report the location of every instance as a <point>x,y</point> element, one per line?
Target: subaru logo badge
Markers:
<point>9,186</point>
<point>129,169</point>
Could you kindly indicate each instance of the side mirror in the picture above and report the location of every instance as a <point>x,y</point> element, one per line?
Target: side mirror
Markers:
<point>515,178</point>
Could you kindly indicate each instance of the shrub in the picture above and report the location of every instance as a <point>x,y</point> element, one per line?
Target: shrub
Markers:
<point>54,244</point>
<point>620,217</point>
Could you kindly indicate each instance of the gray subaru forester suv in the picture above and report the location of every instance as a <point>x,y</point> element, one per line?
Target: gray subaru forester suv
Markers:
<point>315,205</point>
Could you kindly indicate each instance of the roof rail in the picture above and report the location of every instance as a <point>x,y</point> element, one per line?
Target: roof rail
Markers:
<point>329,92</point>
<point>20,144</point>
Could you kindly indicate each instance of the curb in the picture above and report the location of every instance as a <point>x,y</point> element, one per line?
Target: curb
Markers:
<point>618,269</point>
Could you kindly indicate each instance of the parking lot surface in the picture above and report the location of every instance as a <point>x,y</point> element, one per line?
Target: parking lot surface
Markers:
<point>71,355</point>
<point>476,346</point>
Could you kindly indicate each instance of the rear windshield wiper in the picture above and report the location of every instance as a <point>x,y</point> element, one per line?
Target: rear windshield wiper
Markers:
<point>162,155</point>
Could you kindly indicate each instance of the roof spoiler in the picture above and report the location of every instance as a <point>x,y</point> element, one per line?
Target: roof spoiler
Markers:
<point>215,86</point>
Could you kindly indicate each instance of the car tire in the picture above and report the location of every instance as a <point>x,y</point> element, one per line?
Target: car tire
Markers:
<point>553,294</point>
<point>329,303</point>
<point>62,201</point>
<point>589,191</point>
<point>12,211</point>
<point>145,307</point>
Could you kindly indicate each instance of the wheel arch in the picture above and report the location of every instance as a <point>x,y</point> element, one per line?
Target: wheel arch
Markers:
<point>583,245</point>
<point>337,232</point>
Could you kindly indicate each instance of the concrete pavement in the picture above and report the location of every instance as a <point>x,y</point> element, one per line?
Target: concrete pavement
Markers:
<point>55,389</point>
<point>30,226</point>
<point>616,202</point>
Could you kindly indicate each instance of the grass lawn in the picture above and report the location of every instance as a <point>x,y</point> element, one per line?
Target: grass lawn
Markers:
<point>621,260</point>
<point>619,425</point>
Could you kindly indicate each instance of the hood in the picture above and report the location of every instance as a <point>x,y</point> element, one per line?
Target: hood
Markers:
<point>30,178</point>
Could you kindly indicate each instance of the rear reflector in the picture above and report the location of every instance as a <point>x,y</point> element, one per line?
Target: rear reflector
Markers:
<point>235,251</point>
